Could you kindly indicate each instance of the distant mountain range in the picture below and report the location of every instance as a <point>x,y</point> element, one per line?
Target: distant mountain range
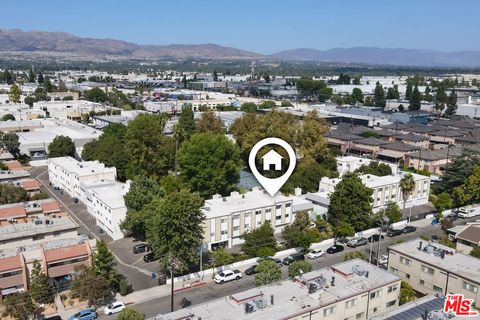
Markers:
<point>60,43</point>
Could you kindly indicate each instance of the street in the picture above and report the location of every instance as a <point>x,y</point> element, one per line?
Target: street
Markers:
<point>212,290</point>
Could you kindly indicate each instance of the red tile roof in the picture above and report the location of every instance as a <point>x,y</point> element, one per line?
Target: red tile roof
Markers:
<point>65,253</point>
<point>12,212</point>
<point>30,184</point>
<point>49,207</point>
<point>14,165</point>
<point>11,263</point>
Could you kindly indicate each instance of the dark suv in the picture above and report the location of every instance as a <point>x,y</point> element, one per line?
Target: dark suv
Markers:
<point>293,257</point>
<point>149,257</point>
<point>140,248</point>
<point>393,232</point>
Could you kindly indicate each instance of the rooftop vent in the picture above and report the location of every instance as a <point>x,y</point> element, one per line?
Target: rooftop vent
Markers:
<point>332,283</point>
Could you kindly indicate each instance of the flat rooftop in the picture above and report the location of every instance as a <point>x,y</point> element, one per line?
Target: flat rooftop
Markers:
<point>81,168</point>
<point>109,192</point>
<point>453,261</point>
<point>257,198</point>
<point>291,297</point>
<point>39,226</point>
<point>6,175</point>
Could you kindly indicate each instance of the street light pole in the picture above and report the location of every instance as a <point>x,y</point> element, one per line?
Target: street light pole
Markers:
<point>171,295</point>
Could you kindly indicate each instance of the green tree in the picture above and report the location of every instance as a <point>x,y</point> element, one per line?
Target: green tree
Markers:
<point>392,212</point>
<point>409,90</point>
<point>309,133</point>
<point>47,84</point>
<point>407,185</point>
<point>103,265</point>
<point>350,203</point>
<point>9,142</point>
<point>130,314</point>
<point>353,255</point>
<point>376,168</point>
<point>110,151</point>
<point>174,227</point>
<point>210,164</point>
<point>18,306</point>
<point>87,285</point>
<point>298,268</point>
<point>210,123</point>
<point>186,122</point>
<point>415,100</point>
<point>40,289</point>
<point>299,233</point>
<point>221,257</point>
<point>40,78</point>
<point>307,174</point>
<point>249,107</point>
<point>267,272</point>
<point>443,202</point>
<point>96,95</point>
<point>407,293</point>
<point>151,151</point>
<point>8,116</point>
<point>14,94</point>
<point>344,229</point>
<point>267,104</point>
<point>357,95</point>
<point>61,146</point>
<point>143,190</point>
<point>30,100</point>
<point>475,252</point>
<point>10,193</point>
<point>451,104</point>
<point>469,191</point>
<point>379,96</point>
<point>456,171</point>
<point>258,238</point>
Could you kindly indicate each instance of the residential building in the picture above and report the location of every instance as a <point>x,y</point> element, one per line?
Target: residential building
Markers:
<point>433,161</point>
<point>58,259</point>
<point>432,268</point>
<point>349,290</point>
<point>350,163</point>
<point>105,202</point>
<point>396,151</point>
<point>68,173</point>
<point>32,186</point>
<point>468,238</point>
<point>227,218</point>
<point>9,175</point>
<point>385,189</point>
<point>26,211</point>
<point>431,304</point>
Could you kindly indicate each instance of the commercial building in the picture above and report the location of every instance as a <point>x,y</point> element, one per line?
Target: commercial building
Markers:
<point>227,218</point>
<point>432,268</point>
<point>349,290</point>
<point>105,202</point>
<point>68,173</point>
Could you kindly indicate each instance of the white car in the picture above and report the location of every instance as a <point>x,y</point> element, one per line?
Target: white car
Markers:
<point>114,307</point>
<point>383,259</point>
<point>315,254</point>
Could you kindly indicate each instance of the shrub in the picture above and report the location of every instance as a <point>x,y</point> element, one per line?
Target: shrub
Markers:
<point>123,287</point>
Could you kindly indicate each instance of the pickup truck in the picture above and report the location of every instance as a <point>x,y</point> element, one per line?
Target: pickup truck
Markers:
<point>227,275</point>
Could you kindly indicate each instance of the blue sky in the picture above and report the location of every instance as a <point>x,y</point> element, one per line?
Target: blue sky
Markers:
<point>263,26</point>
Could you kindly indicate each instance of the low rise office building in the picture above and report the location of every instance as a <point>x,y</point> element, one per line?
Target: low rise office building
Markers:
<point>349,290</point>
<point>432,268</point>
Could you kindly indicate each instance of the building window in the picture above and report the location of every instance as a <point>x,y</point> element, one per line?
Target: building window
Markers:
<point>224,231</point>
<point>360,315</point>
<point>329,311</point>
<point>278,217</point>
<point>426,269</point>
<point>236,228</point>
<point>405,261</point>
<point>375,294</point>
<point>350,303</point>
<point>407,275</point>
<point>278,206</point>
<point>247,227</point>
<point>212,234</point>
<point>258,212</point>
<point>288,205</point>
<point>422,283</point>
<point>392,288</point>
<point>391,303</point>
<point>394,270</point>
<point>438,289</point>
<point>470,287</point>
<point>223,220</point>
<point>268,210</point>
<point>375,310</point>
<point>247,214</point>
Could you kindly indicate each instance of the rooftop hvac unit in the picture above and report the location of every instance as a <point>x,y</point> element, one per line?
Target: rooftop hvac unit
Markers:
<point>249,307</point>
<point>261,303</point>
<point>312,287</point>
<point>358,270</point>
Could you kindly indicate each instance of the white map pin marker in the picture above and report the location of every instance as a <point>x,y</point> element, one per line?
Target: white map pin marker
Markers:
<point>272,157</point>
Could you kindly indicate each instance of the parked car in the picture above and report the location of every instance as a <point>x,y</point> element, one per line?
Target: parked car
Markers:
<point>114,307</point>
<point>375,237</point>
<point>313,254</point>
<point>357,241</point>
<point>335,248</point>
<point>393,232</point>
<point>293,257</point>
<point>140,248</point>
<point>53,318</point>
<point>277,261</point>
<point>227,275</point>
<point>469,211</point>
<point>149,257</point>
<point>434,238</point>
<point>383,259</point>
<point>251,270</point>
<point>409,229</point>
<point>86,314</point>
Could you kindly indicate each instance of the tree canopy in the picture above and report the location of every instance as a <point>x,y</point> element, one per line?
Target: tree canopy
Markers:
<point>300,233</point>
<point>61,146</point>
<point>209,122</point>
<point>376,168</point>
<point>40,288</point>
<point>267,272</point>
<point>10,193</point>
<point>258,239</point>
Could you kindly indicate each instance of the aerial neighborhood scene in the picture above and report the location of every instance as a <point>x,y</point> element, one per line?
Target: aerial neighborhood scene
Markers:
<point>227,160</point>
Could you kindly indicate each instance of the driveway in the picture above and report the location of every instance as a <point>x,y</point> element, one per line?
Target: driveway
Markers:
<point>138,276</point>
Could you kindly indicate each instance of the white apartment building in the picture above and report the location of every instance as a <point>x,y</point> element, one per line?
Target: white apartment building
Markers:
<point>68,173</point>
<point>104,201</point>
<point>349,290</point>
<point>351,163</point>
<point>385,189</point>
<point>227,218</point>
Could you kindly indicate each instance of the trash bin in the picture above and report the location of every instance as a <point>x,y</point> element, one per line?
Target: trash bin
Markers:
<point>162,279</point>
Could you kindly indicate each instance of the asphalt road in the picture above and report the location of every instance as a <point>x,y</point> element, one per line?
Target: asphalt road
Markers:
<point>212,290</point>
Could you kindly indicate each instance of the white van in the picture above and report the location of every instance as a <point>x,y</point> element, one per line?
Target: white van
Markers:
<point>469,211</point>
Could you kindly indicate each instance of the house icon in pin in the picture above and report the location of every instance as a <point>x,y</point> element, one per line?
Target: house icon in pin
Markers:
<point>272,158</point>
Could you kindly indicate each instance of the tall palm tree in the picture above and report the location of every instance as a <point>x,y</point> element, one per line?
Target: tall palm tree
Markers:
<point>407,185</point>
